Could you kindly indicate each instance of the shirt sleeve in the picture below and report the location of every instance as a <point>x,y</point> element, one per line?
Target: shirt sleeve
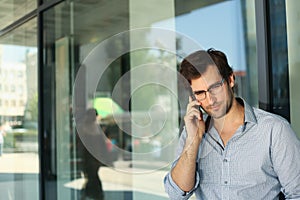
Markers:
<point>174,192</point>
<point>171,188</point>
<point>285,154</point>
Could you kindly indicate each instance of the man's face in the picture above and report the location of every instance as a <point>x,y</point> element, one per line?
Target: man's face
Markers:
<point>219,97</point>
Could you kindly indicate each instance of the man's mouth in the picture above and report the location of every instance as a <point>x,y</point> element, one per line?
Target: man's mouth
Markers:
<point>215,107</point>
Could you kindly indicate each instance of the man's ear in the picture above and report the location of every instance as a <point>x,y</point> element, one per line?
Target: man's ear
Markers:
<point>231,80</point>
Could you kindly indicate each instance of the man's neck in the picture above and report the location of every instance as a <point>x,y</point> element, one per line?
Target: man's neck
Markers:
<point>228,124</point>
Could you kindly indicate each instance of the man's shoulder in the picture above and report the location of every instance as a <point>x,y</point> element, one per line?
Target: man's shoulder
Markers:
<point>259,116</point>
<point>268,117</point>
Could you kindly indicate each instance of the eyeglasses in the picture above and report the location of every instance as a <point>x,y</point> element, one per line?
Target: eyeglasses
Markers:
<point>213,90</point>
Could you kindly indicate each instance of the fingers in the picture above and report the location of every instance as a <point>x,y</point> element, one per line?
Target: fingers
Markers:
<point>193,110</point>
<point>194,122</point>
<point>193,113</point>
<point>192,103</point>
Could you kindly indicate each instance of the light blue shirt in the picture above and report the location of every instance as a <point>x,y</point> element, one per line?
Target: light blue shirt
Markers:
<point>261,159</point>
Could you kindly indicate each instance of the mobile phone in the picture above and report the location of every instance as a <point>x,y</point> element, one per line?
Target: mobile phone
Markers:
<point>191,93</point>
<point>193,97</point>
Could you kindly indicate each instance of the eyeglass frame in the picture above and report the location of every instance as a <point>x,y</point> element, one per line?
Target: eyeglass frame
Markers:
<point>215,85</point>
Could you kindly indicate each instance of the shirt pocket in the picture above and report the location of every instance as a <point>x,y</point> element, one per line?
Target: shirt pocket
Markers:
<point>208,165</point>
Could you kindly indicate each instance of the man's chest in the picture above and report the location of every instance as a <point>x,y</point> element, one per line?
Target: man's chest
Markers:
<point>242,161</point>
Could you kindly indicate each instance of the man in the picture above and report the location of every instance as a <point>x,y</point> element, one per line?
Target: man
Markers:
<point>241,152</point>
<point>93,148</point>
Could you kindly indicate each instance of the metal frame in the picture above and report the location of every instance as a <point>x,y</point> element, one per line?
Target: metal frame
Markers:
<point>263,58</point>
<point>18,22</point>
<point>48,180</point>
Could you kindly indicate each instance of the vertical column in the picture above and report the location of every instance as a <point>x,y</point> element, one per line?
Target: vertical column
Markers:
<point>293,37</point>
<point>153,91</point>
<point>262,55</point>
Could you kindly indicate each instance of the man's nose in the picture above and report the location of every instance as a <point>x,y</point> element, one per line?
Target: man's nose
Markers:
<point>210,98</point>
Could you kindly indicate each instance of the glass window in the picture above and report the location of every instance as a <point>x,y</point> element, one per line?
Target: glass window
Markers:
<point>92,61</point>
<point>19,169</point>
<point>72,31</point>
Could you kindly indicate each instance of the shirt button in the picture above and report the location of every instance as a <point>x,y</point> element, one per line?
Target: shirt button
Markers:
<point>225,182</point>
<point>225,160</point>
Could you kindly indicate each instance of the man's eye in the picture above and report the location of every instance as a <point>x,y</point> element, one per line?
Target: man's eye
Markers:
<point>214,87</point>
<point>199,92</point>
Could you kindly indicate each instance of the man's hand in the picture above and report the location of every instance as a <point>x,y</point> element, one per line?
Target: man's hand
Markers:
<point>194,124</point>
<point>183,173</point>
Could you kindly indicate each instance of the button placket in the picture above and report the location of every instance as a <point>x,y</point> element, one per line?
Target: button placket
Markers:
<point>225,171</point>
<point>225,180</point>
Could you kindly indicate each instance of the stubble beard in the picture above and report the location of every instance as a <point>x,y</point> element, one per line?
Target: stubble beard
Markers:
<point>224,109</point>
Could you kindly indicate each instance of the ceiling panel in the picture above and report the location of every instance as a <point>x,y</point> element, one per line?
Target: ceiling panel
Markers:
<point>12,10</point>
<point>93,19</point>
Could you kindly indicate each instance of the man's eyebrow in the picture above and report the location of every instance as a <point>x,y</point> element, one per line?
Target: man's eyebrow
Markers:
<point>198,91</point>
<point>213,84</point>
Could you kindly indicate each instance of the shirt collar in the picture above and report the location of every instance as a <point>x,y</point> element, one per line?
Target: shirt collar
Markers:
<point>249,112</point>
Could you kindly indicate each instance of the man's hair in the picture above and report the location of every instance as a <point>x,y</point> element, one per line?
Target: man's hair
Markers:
<point>197,63</point>
<point>91,115</point>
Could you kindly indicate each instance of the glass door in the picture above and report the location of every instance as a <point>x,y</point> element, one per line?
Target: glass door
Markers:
<point>115,65</point>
